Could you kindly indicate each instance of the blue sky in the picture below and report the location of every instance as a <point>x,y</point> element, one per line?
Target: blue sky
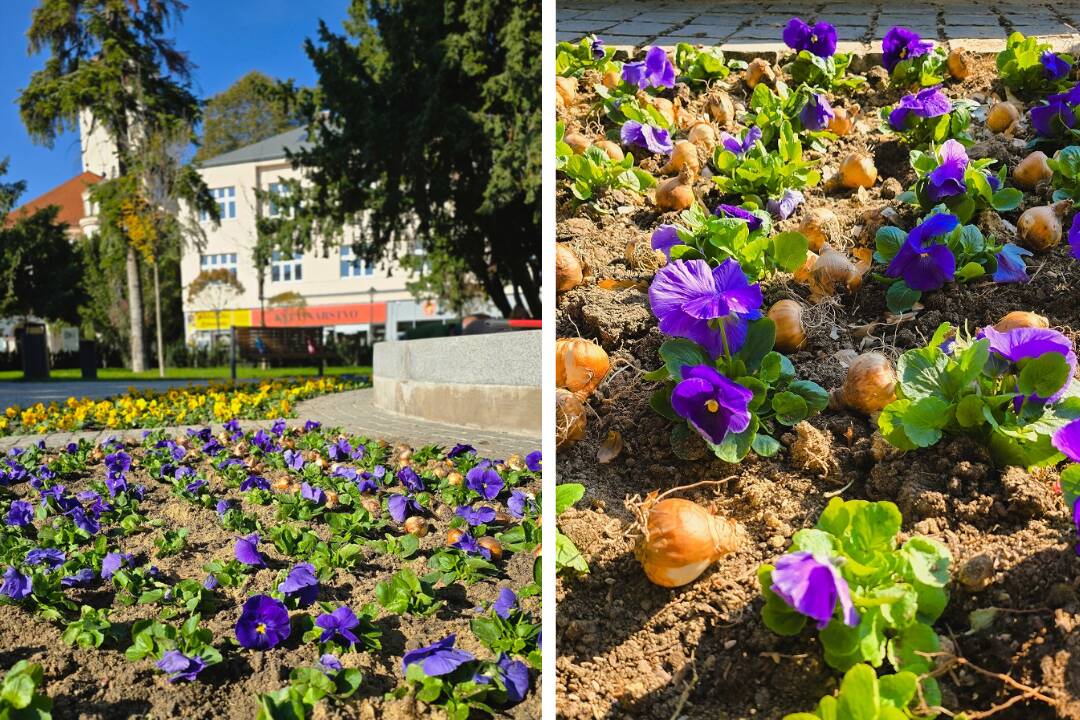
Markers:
<point>224,39</point>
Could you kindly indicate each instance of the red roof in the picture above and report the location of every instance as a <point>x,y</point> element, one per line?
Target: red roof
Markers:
<point>67,196</point>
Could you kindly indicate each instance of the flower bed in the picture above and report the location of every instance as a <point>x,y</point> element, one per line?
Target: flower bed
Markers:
<point>787,288</point>
<point>275,573</point>
<point>214,402</point>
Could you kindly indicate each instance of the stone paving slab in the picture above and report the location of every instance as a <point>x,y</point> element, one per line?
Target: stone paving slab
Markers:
<point>352,410</point>
<point>980,27</point>
<point>25,394</point>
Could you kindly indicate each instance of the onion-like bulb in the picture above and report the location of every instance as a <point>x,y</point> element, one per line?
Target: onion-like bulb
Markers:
<point>1032,170</point>
<point>869,386</point>
<point>569,418</point>
<point>841,123</point>
<point>1002,116</point>
<point>685,155</point>
<point>958,65</point>
<point>819,226</point>
<point>702,134</point>
<point>577,142</point>
<point>580,365</point>
<point>416,526</point>
<point>790,332</point>
<point>832,270</point>
<point>1039,228</point>
<point>858,171</point>
<point>568,273</point>
<point>803,274</point>
<point>566,87</point>
<point>675,193</point>
<point>455,478</point>
<point>493,546</point>
<point>613,151</point>
<point>680,540</point>
<point>721,108</point>
<point>757,71</point>
<point>453,535</point>
<point>1021,319</point>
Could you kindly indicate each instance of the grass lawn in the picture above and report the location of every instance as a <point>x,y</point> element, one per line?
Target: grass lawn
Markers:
<point>220,372</point>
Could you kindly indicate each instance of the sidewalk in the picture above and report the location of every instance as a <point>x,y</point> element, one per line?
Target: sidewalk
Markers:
<point>756,27</point>
<point>352,410</point>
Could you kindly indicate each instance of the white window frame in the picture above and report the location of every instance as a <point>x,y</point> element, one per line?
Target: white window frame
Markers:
<point>216,261</point>
<point>287,270</point>
<point>225,197</point>
<point>351,266</point>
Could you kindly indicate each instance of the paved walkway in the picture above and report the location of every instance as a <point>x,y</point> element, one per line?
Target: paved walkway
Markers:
<point>25,394</point>
<point>757,27</point>
<point>353,411</point>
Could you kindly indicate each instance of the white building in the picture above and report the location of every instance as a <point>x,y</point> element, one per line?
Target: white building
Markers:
<point>339,293</point>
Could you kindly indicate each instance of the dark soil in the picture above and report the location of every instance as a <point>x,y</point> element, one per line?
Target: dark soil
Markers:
<point>628,648</point>
<point>103,685</point>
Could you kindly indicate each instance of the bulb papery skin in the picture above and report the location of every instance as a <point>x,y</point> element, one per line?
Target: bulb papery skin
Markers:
<point>681,540</point>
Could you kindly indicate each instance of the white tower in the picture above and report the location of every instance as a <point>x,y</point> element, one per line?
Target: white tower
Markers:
<point>98,150</point>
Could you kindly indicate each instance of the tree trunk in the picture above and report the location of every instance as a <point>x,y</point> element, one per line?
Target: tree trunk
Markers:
<point>157,322</point>
<point>135,314</point>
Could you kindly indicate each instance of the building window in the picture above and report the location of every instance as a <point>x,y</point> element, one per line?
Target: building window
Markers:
<point>226,202</point>
<point>275,189</point>
<point>351,265</point>
<point>219,261</point>
<point>286,269</point>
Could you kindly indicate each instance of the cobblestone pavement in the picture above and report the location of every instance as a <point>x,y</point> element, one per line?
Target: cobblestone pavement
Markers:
<point>353,411</point>
<point>756,27</point>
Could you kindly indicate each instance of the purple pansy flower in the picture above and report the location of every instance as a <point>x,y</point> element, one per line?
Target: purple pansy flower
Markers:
<point>518,503</point>
<point>21,513</point>
<point>711,403</point>
<point>460,449</point>
<point>294,460</point>
<point>923,263</point>
<point>788,202</point>
<point>475,516</point>
<point>222,507</point>
<point>118,462</point>
<point>753,222</point>
<point>233,425</point>
<point>441,658</point>
<point>812,587</point>
<point>515,677</point>
<point>690,298</point>
<point>310,425</point>
<point>301,584</point>
<point>1053,118</point>
<point>254,482</point>
<point>263,623</point>
<point>402,506</point>
<point>210,582</point>
<point>901,43</point>
<point>312,494</point>
<point>534,461</point>
<point>737,146</point>
<point>16,585</point>
<point>597,48</point>
<point>412,482</point>
<point>927,103</point>
<point>1024,343</point>
<point>505,604</point>
<point>195,486</point>
<point>340,622</point>
<point>1054,68</point>
<point>947,179</point>
<point>51,557</point>
<point>484,480</point>
<point>655,140</point>
<point>817,113</point>
<point>112,563</point>
<point>81,578</point>
<point>1067,440</point>
<point>340,449</point>
<point>330,662</point>
<point>83,521</point>
<point>1010,264</point>
<point>247,551</point>
<point>263,441</point>
<point>819,39</point>
<point>1074,237</point>
<point>654,71</point>
<point>180,666</point>
<point>468,544</point>
<point>278,427</point>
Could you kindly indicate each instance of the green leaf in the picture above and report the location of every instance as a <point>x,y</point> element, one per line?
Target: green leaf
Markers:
<point>859,694</point>
<point>969,411</point>
<point>816,397</point>
<point>660,402</point>
<point>905,648</point>
<point>1044,375</point>
<point>922,371</point>
<point>735,446</point>
<point>789,408</point>
<point>568,556</point>
<point>764,445</point>
<point>924,420</point>
<point>900,298</point>
<point>970,271</point>
<point>760,339</point>
<point>566,495</point>
<point>789,250</point>
<point>1006,199</point>
<point>898,690</point>
<point>1070,484</point>
<point>677,353</point>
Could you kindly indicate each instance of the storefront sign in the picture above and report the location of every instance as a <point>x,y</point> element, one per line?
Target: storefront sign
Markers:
<point>321,315</point>
<point>209,320</point>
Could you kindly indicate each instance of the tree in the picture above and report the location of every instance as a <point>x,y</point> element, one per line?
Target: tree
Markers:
<point>111,59</point>
<point>250,110</point>
<point>40,270</point>
<point>426,120</point>
<point>215,290</point>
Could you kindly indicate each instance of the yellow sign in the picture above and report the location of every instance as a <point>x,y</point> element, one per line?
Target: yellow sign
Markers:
<point>209,320</point>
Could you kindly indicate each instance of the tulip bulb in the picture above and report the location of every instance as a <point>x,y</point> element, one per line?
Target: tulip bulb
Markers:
<point>685,155</point>
<point>569,418</point>
<point>820,226</point>
<point>1031,171</point>
<point>1002,116</point>
<point>703,135</point>
<point>493,546</point>
<point>371,505</point>
<point>455,478</point>
<point>680,540</point>
<point>869,386</point>
<point>958,65</point>
<point>676,193</point>
<point>566,87</point>
<point>721,108</point>
<point>803,274</point>
<point>577,142</point>
<point>1021,319</point>
<point>841,123</point>
<point>453,535</point>
<point>568,273</point>
<point>416,526</point>
<point>580,365</point>
<point>1039,228</point>
<point>613,151</point>
<point>790,332</point>
<point>832,270</point>
<point>858,171</point>
<point>757,71</point>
